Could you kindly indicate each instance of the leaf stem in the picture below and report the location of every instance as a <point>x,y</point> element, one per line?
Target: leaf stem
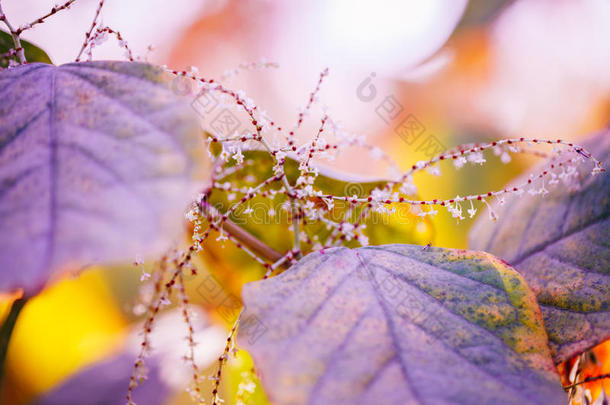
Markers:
<point>7,330</point>
<point>245,237</point>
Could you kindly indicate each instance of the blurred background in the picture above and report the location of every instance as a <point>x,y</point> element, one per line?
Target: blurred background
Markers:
<point>412,76</point>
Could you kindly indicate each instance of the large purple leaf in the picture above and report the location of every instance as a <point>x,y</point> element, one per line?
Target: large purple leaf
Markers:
<point>561,245</point>
<point>106,383</point>
<point>397,324</point>
<point>95,165</point>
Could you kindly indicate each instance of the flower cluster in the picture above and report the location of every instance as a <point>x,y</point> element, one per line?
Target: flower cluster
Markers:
<point>304,202</point>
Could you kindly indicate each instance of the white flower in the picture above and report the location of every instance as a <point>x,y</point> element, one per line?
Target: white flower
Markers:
<point>455,210</point>
<point>165,301</point>
<point>408,187</point>
<point>421,164</point>
<point>238,156</point>
<point>224,155</point>
<point>434,170</point>
<point>347,227</point>
<point>543,191</point>
<point>379,195</point>
<point>459,162</point>
<point>492,214</point>
<point>476,157</point>
<point>472,211</point>
<point>330,203</point>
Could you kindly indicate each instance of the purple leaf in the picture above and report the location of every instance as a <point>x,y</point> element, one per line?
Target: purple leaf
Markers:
<point>106,384</point>
<point>95,165</point>
<point>561,245</point>
<point>400,325</point>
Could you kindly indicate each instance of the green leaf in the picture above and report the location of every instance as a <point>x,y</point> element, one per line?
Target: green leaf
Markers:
<point>480,12</point>
<point>32,52</point>
<point>401,227</point>
<point>561,245</point>
<point>400,325</point>
<point>272,231</point>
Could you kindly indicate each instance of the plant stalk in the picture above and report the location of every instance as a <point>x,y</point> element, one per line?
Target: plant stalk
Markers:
<point>246,238</point>
<point>15,36</point>
<point>6,331</point>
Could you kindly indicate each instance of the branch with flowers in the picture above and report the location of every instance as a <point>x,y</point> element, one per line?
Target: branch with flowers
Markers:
<point>267,193</point>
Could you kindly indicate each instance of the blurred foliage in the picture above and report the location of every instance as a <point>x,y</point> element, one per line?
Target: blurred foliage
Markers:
<point>482,12</point>
<point>593,363</point>
<point>32,52</point>
<point>240,371</point>
<point>72,324</point>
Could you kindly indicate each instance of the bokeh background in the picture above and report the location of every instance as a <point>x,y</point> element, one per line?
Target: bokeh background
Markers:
<point>466,71</point>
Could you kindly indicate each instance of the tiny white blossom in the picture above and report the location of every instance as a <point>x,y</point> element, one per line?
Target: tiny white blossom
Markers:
<point>459,162</point>
<point>476,157</point>
<point>492,214</point>
<point>472,210</point>
<point>434,170</point>
<point>238,156</point>
<point>408,187</point>
<point>222,237</point>
<point>330,203</point>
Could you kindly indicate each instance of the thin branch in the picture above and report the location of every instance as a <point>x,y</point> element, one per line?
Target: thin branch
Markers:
<point>15,36</point>
<point>40,20</point>
<point>88,34</point>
